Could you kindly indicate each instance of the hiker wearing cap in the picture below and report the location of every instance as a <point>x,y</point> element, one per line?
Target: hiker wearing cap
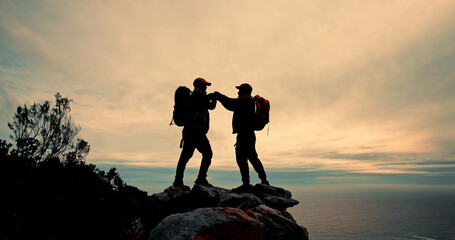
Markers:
<point>242,125</point>
<point>194,133</point>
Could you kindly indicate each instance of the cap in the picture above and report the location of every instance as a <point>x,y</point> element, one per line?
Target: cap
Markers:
<point>200,81</point>
<point>245,87</point>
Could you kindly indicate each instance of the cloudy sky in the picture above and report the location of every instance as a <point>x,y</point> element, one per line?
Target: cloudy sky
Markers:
<point>355,86</point>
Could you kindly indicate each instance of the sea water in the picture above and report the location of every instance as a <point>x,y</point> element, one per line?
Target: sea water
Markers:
<point>350,212</point>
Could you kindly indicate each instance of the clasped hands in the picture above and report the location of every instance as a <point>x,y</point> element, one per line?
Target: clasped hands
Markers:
<point>214,96</point>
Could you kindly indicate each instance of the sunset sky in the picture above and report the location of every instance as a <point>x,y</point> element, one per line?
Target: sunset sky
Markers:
<point>363,87</point>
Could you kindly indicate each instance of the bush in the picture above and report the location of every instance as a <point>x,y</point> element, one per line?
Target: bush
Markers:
<point>47,189</point>
<point>54,200</point>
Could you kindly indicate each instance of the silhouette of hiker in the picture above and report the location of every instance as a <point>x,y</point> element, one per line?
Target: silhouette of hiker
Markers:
<point>245,147</point>
<point>194,133</point>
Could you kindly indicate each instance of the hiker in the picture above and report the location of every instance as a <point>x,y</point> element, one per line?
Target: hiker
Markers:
<point>194,133</point>
<point>242,124</point>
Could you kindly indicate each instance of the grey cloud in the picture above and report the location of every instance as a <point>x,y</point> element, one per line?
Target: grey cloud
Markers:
<point>373,156</point>
<point>419,163</point>
<point>366,147</point>
<point>441,170</point>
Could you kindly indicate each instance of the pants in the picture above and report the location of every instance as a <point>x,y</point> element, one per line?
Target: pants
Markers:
<point>192,141</point>
<point>246,150</point>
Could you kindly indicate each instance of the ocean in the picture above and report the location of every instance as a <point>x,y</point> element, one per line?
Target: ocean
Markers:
<point>339,211</point>
<point>386,212</point>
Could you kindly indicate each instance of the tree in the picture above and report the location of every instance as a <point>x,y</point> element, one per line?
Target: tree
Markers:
<point>42,132</point>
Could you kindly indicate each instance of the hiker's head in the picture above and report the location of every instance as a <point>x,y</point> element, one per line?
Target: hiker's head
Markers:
<point>244,89</point>
<point>201,83</point>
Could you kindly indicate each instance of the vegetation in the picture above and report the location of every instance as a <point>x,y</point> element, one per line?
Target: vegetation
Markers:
<point>48,191</point>
<point>42,132</point>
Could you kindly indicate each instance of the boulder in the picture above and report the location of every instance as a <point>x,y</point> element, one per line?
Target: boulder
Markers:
<point>222,223</point>
<point>220,197</point>
<point>279,226</point>
<point>271,190</point>
<point>171,200</point>
<point>280,203</point>
<point>217,213</point>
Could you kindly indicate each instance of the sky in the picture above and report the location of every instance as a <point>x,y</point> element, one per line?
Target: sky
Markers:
<point>361,87</point>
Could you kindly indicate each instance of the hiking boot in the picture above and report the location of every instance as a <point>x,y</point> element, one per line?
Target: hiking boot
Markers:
<point>243,188</point>
<point>203,182</point>
<point>178,183</point>
<point>265,182</point>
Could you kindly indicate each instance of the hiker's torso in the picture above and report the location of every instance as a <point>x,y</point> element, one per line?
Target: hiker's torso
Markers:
<point>243,114</point>
<point>199,118</point>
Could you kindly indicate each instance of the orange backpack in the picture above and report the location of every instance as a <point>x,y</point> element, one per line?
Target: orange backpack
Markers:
<point>261,113</point>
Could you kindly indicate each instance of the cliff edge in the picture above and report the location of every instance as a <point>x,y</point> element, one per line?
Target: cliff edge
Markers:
<point>217,213</point>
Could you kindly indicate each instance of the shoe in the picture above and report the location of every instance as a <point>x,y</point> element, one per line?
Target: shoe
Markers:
<point>178,183</point>
<point>243,188</point>
<point>203,182</point>
<point>265,182</point>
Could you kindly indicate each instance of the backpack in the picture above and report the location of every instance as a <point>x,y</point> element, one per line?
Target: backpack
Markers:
<point>181,106</point>
<point>261,112</point>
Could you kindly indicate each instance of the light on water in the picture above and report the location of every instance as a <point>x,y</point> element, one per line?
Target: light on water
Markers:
<point>376,213</point>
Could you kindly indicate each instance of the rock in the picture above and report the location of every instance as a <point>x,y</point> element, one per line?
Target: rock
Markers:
<point>171,195</point>
<point>172,200</point>
<point>279,202</point>
<point>221,223</point>
<point>240,200</point>
<point>220,197</point>
<point>275,197</point>
<point>218,213</point>
<point>271,190</point>
<point>288,215</point>
<point>278,226</point>
<point>207,222</point>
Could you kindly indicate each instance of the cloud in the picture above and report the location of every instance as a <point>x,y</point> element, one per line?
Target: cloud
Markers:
<point>432,162</point>
<point>350,84</point>
<point>374,156</point>
<point>23,40</point>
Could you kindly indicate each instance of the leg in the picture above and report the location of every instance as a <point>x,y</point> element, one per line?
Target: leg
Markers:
<point>258,167</point>
<point>254,160</point>
<point>185,155</point>
<point>206,150</point>
<point>242,159</point>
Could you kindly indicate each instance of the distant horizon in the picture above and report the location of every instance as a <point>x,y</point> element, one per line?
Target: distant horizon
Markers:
<point>156,179</point>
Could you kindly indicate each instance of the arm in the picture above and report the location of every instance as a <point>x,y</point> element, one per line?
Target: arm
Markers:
<point>230,104</point>
<point>212,104</point>
<point>211,101</point>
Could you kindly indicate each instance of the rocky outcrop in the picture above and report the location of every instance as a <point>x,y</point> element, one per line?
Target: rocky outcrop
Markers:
<point>218,213</point>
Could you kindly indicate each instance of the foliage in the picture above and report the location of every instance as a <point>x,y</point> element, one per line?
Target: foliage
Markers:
<point>43,131</point>
<point>49,192</point>
<point>4,147</point>
<point>58,200</point>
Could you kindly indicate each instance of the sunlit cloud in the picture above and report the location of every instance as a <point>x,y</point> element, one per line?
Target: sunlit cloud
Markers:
<point>358,87</point>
